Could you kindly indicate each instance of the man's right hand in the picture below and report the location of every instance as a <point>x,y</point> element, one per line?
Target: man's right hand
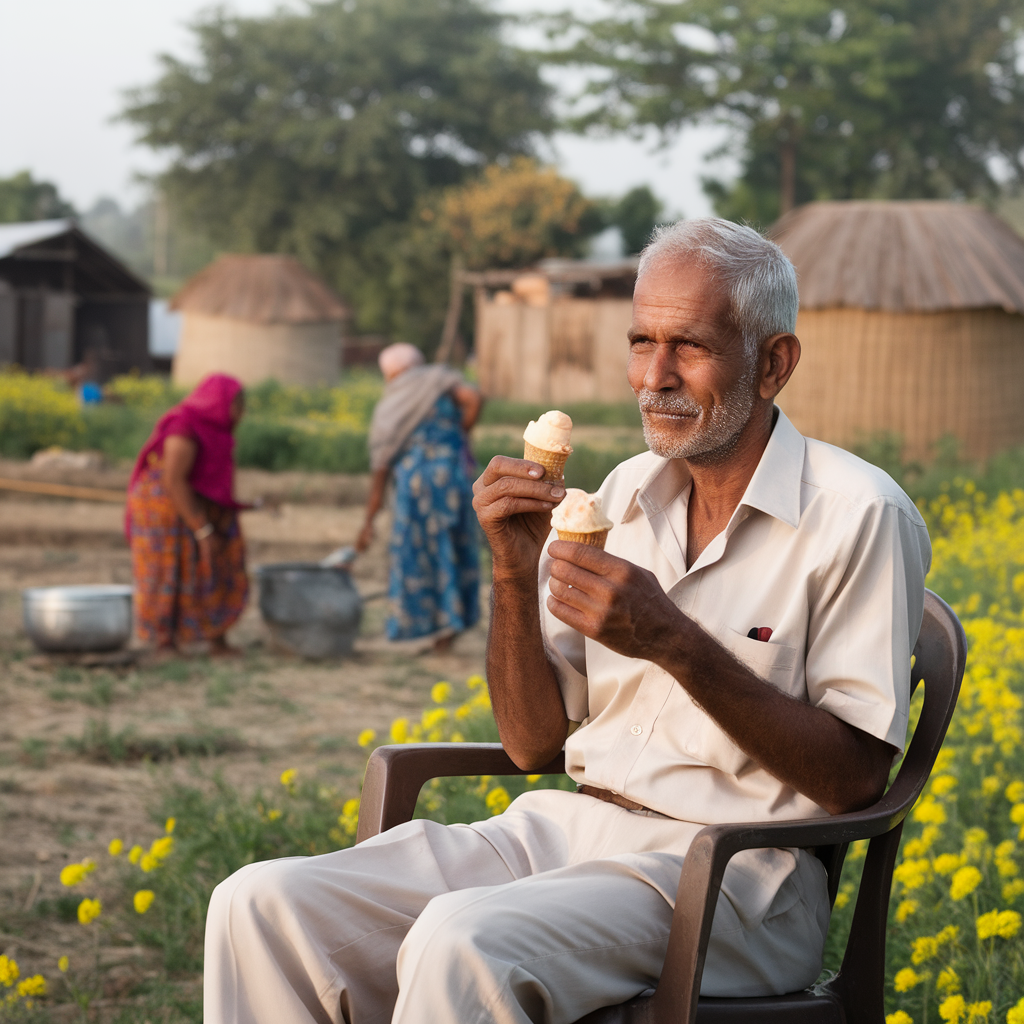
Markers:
<point>514,507</point>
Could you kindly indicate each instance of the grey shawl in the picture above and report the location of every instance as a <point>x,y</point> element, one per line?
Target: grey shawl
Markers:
<point>407,401</point>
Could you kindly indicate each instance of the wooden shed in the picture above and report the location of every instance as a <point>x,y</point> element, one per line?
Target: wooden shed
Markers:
<point>65,299</point>
<point>912,322</point>
<point>259,317</point>
<point>556,333</point>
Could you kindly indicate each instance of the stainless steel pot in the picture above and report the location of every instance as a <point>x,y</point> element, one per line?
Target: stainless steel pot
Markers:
<point>312,610</point>
<point>83,618</point>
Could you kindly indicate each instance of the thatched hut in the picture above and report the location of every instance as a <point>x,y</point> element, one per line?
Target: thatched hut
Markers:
<point>259,317</point>
<point>912,322</point>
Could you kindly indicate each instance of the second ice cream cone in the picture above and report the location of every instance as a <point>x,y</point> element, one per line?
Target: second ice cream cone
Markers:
<point>595,539</point>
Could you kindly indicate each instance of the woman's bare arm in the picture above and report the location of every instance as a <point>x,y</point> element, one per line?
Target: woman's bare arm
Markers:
<point>470,402</point>
<point>378,484</point>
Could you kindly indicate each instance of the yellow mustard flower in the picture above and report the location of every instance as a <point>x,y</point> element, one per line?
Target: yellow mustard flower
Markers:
<point>462,712</point>
<point>497,800</point>
<point>924,948</point>
<point>1004,923</point>
<point>943,784</point>
<point>978,1012</point>
<point>533,779</point>
<point>1015,1015</point>
<point>953,1009</point>
<point>965,881</point>
<point>9,972</point>
<point>474,682</point>
<point>457,737</point>
<point>990,785</point>
<point>400,730</point>
<point>143,900</point>
<point>1015,791</point>
<point>948,982</point>
<point>947,863</point>
<point>288,777</point>
<point>433,717</point>
<point>1012,890</point>
<point>63,964</point>
<point>366,737</point>
<point>441,692</point>
<point>1007,848</point>
<point>34,986</point>
<point>170,824</point>
<point>89,910</point>
<point>73,874</point>
<point>273,814</point>
<point>907,979</point>
<point>905,909</point>
<point>899,1017</point>
<point>912,874</point>
<point>930,811</point>
<point>115,847</point>
<point>135,854</point>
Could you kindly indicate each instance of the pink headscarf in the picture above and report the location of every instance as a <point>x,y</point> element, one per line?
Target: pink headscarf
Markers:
<point>204,417</point>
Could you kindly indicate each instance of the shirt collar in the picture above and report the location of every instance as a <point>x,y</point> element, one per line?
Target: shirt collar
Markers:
<point>773,489</point>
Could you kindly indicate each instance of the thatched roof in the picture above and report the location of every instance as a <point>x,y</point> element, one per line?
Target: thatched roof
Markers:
<point>262,290</point>
<point>907,257</point>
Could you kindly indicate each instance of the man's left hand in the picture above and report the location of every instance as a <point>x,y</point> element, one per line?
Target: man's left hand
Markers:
<point>612,601</point>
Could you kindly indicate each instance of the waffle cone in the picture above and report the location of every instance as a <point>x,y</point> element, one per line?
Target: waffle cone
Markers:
<point>595,539</point>
<point>553,462</point>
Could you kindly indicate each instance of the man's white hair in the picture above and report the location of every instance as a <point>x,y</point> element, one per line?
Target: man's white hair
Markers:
<point>760,280</point>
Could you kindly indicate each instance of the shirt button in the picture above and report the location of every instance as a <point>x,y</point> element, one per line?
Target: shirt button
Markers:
<point>636,730</point>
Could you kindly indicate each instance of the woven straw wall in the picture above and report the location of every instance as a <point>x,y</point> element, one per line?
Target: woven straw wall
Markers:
<point>291,353</point>
<point>920,375</point>
<point>572,350</point>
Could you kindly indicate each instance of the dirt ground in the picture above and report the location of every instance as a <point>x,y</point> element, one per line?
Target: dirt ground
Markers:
<point>59,802</point>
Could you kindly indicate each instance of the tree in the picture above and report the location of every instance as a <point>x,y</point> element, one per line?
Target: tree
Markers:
<point>635,215</point>
<point>826,98</point>
<point>319,133</point>
<point>23,198</point>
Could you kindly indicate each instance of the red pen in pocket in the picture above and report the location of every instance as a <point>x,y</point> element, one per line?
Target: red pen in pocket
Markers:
<point>762,633</point>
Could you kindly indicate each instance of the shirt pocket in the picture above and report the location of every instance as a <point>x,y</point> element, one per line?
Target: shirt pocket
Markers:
<point>706,740</point>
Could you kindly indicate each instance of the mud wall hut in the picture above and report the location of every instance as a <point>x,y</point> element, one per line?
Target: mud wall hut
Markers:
<point>912,322</point>
<point>258,317</point>
<point>556,333</point>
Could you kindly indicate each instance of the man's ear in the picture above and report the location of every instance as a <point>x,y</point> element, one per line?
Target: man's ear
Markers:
<point>780,354</point>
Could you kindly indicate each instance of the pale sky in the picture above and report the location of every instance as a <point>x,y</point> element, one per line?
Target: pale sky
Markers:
<point>65,63</point>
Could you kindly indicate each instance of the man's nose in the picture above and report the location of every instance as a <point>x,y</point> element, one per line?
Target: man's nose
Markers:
<point>663,370</point>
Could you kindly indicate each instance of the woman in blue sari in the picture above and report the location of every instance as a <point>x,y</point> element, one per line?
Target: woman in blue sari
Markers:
<point>418,435</point>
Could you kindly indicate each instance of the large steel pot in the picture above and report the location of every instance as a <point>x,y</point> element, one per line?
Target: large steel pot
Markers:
<point>83,618</point>
<point>312,610</point>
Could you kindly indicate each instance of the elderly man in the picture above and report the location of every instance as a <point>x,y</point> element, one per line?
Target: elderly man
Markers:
<point>740,651</point>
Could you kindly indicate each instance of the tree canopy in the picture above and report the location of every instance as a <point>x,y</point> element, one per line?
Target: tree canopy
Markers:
<point>319,133</point>
<point>826,98</point>
<point>23,198</point>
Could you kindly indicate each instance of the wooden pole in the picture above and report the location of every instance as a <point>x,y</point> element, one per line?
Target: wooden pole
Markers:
<point>63,490</point>
<point>451,319</point>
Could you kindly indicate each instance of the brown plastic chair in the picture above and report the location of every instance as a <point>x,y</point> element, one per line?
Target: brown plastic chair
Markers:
<point>395,774</point>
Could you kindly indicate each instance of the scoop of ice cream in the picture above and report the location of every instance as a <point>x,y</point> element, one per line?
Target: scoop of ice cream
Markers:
<point>580,512</point>
<point>551,432</point>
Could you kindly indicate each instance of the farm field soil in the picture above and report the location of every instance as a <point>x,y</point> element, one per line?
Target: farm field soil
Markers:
<point>85,752</point>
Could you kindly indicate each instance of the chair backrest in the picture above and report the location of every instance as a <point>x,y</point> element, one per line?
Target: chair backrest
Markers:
<point>939,660</point>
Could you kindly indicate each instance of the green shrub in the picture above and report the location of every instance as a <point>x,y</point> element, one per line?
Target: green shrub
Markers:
<point>265,443</point>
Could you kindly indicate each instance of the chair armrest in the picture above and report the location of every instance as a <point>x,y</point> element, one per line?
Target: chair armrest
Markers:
<point>395,774</point>
<point>675,999</point>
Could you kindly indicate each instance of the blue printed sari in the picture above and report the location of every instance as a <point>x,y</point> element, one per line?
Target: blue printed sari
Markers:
<point>434,581</point>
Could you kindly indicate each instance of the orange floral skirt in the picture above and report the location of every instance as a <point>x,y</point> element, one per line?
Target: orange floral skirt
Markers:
<point>176,599</point>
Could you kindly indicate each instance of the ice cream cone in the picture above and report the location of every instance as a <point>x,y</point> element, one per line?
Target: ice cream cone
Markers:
<point>553,462</point>
<point>595,539</point>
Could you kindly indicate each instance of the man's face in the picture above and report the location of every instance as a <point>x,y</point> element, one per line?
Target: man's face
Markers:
<point>693,379</point>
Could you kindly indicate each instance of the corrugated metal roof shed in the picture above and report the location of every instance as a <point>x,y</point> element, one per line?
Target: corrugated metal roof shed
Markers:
<point>920,256</point>
<point>261,289</point>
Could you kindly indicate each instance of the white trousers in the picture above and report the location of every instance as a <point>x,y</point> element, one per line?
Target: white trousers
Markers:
<point>559,906</point>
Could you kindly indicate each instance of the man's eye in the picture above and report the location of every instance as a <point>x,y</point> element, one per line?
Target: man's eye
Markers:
<point>640,344</point>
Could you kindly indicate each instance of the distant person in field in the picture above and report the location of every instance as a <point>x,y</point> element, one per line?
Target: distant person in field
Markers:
<point>418,435</point>
<point>188,556</point>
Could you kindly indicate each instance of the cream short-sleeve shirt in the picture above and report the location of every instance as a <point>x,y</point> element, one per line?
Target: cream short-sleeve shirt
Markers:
<point>823,548</point>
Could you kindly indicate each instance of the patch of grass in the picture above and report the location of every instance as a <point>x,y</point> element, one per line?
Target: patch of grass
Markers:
<point>66,674</point>
<point>101,693</point>
<point>64,908</point>
<point>219,691</point>
<point>175,671</point>
<point>34,751</point>
<point>99,744</point>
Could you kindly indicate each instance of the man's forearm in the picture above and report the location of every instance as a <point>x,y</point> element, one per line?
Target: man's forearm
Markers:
<point>836,765</point>
<point>525,695</point>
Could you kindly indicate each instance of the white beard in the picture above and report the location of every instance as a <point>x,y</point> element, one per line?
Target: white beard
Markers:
<point>716,429</point>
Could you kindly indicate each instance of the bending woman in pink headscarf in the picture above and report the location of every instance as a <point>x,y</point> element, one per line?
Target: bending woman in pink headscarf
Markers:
<point>188,556</point>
